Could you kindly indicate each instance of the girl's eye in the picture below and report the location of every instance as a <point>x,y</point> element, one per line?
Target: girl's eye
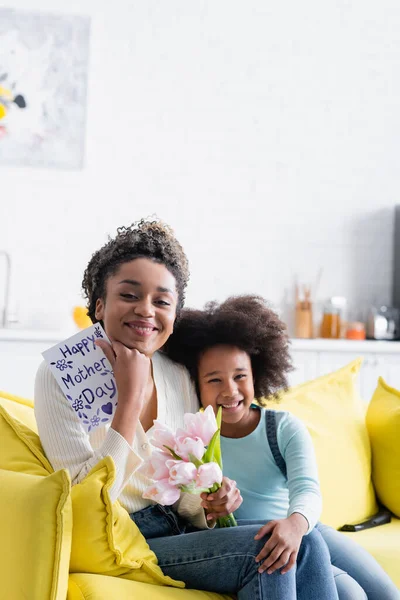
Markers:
<point>214,381</point>
<point>163,303</point>
<point>241,376</point>
<point>129,296</point>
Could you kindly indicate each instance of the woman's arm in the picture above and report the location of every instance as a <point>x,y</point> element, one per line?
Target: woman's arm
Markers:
<point>65,442</point>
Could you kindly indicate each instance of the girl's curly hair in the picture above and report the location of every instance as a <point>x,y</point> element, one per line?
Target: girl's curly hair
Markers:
<point>246,322</point>
<point>151,239</point>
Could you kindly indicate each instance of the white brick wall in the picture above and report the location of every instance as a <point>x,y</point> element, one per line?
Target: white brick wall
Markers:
<point>267,134</point>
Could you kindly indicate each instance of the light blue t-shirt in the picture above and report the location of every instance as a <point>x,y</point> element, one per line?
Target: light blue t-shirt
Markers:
<point>266,493</point>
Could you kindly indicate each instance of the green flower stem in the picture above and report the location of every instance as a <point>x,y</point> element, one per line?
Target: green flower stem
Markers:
<point>228,521</point>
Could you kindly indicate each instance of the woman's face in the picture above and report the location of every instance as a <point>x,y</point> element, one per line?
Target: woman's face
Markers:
<point>139,307</point>
<point>225,379</point>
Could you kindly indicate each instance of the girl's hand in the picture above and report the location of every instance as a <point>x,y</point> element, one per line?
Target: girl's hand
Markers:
<point>131,371</point>
<point>222,502</point>
<point>283,546</point>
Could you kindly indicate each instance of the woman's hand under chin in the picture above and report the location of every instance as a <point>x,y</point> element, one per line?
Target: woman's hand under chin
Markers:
<point>132,371</point>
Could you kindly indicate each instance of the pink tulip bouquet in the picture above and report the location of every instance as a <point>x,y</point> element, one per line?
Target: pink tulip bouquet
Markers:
<point>187,461</point>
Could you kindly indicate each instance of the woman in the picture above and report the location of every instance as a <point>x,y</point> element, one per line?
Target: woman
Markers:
<point>135,287</point>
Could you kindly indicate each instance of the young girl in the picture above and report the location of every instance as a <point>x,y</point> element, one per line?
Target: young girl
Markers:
<point>236,352</point>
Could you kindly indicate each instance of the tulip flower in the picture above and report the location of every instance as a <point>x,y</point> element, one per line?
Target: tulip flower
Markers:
<point>187,461</point>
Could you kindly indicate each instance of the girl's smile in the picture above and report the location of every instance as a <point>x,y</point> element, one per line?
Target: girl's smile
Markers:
<point>225,379</point>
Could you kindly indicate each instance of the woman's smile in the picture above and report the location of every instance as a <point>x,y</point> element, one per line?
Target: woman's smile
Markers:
<point>142,328</point>
<point>139,308</point>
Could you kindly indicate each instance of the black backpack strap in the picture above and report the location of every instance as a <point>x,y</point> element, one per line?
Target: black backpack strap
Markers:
<point>271,425</point>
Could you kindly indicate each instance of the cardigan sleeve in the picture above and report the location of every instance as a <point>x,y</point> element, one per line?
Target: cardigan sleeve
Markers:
<point>67,445</point>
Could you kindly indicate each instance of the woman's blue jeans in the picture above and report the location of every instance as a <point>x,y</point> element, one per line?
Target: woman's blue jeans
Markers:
<point>223,560</point>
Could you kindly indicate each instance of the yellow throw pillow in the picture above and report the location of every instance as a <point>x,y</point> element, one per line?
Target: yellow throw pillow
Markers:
<point>20,447</point>
<point>383,422</point>
<point>35,539</point>
<point>105,540</point>
<point>20,408</point>
<point>334,414</point>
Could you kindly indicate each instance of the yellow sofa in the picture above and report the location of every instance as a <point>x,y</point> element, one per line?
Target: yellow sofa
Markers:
<point>36,511</point>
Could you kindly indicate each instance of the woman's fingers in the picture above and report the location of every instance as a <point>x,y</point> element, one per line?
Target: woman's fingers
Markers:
<point>108,350</point>
<point>222,509</point>
<point>222,493</point>
<point>237,503</point>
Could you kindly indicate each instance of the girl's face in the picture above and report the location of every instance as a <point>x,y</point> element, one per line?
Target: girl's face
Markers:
<point>226,379</point>
<point>139,307</point>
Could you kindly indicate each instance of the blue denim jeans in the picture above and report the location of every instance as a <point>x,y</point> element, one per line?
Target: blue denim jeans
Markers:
<point>223,560</point>
<point>367,578</point>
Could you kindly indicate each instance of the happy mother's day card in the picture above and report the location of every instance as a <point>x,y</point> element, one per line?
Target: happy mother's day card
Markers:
<point>85,376</point>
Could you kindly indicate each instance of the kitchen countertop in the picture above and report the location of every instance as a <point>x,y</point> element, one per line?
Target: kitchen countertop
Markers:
<point>316,344</point>
<point>34,335</point>
<point>322,344</point>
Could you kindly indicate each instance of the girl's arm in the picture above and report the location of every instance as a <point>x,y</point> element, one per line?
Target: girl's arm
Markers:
<point>297,449</point>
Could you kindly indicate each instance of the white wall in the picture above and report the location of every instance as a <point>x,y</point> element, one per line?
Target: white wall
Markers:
<point>266,133</point>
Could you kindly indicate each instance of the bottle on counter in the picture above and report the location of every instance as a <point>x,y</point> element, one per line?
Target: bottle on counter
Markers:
<point>332,320</point>
<point>355,331</point>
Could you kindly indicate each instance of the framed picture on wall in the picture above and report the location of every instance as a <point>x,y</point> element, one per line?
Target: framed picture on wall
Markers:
<point>43,80</point>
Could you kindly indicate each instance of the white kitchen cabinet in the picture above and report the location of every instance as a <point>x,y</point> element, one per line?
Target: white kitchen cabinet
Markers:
<point>388,367</point>
<point>380,359</point>
<point>18,366</point>
<point>20,357</point>
<point>305,367</point>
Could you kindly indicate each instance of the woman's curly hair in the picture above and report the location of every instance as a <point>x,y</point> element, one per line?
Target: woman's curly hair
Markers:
<point>151,239</point>
<point>246,322</point>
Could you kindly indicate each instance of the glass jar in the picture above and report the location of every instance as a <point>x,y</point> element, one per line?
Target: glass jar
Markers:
<point>331,322</point>
<point>355,331</point>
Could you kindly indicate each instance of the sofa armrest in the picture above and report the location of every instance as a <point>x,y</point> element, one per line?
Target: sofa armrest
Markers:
<point>36,530</point>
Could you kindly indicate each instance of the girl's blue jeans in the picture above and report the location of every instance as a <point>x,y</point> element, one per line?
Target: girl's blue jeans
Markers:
<point>223,560</point>
<point>358,576</point>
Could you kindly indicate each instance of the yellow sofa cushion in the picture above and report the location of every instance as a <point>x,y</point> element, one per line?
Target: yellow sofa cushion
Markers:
<point>332,410</point>
<point>20,447</point>
<point>20,408</point>
<point>99,587</point>
<point>35,539</point>
<point>383,422</point>
<point>105,539</point>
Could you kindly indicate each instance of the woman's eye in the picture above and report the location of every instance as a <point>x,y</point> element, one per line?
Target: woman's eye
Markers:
<point>214,381</point>
<point>241,376</point>
<point>129,296</point>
